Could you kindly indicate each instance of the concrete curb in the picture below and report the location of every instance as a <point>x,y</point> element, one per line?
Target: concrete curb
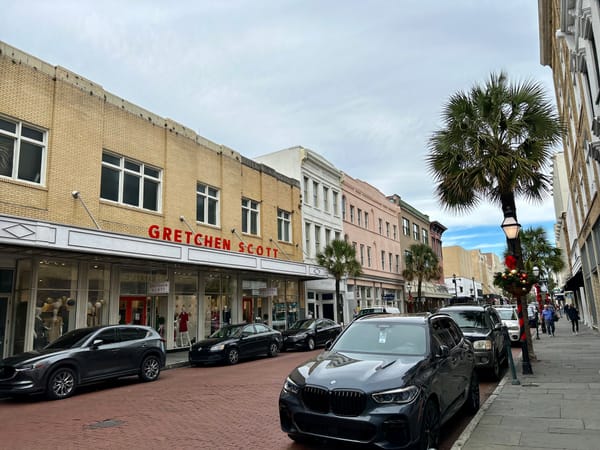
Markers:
<point>466,434</point>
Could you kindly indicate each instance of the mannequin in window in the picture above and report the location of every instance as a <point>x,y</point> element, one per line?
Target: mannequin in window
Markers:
<point>40,332</point>
<point>184,335</point>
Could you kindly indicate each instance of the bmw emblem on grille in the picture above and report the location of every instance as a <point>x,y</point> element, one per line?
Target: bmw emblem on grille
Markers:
<point>332,382</point>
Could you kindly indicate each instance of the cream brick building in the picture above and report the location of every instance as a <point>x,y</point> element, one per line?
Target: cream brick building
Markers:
<point>112,214</point>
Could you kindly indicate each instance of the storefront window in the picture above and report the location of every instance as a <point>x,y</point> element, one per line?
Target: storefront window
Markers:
<point>98,295</point>
<point>285,303</point>
<point>186,308</point>
<point>56,293</point>
<point>133,301</point>
<point>218,297</point>
<point>22,298</point>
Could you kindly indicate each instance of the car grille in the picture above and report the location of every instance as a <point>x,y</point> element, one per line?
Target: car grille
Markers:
<point>6,372</point>
<point>341,402</point>
<point>353,430</point>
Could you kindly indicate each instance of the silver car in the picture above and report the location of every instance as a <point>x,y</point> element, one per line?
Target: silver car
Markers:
<point>510,319</point>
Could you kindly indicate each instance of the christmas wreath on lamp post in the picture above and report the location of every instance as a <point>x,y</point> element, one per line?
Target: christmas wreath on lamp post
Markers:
<point>513,280</point>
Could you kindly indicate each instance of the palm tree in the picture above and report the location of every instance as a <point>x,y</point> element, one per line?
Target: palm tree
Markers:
<point>537,251</point>
<point>339,258</point>
<point>421,263</point>
<point>496,144</point>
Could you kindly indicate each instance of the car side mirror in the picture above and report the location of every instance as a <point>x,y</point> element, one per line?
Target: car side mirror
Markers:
<point>245,334</point>
<point>498,326</point>
<point>444,351</point>
<point>97,343</point>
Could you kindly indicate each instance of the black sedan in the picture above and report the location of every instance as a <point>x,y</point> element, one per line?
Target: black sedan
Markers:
<point>83,356</point>
<point>388,381</point>
<point>234,342</point>
<point>307,334</point>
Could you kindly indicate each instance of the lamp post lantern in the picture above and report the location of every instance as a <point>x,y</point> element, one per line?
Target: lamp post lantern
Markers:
<point>455,288</point>
<point>511,229</point>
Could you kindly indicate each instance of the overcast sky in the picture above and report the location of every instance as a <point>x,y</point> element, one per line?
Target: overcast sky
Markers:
<point>362,83</point>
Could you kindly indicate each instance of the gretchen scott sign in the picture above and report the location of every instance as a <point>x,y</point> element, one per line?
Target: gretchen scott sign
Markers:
<point>207,240</point>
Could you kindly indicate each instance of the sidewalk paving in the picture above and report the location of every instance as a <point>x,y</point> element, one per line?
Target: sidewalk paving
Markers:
<point>177,358</point>
<point>557,407</point>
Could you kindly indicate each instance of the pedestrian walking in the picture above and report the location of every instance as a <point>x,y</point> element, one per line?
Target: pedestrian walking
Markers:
<point>548,318</point>
<point>566,311</point>
<point>573,315</point>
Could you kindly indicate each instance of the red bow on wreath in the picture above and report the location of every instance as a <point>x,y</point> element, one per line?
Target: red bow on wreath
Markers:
<point>510,262</point>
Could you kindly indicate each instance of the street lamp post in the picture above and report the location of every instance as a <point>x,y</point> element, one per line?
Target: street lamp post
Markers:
<point>511,229</point>
<point>474,289</point>
<point>455,288</point>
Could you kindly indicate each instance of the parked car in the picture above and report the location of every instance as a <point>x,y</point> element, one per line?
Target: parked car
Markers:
<point>388,381</point>
<point>84,356</point>
<point>510,319</point>
<point>378,310</point>
<point>482,325</point>
<point>307,334</point>
<point>234,342</point>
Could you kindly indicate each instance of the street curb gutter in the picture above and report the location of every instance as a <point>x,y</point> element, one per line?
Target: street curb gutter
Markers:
<point>466,434</point>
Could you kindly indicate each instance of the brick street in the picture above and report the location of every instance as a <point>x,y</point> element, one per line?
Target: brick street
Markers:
<point>214,407</point>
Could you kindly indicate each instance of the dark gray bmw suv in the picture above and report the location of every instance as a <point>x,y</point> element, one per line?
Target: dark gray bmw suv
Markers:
<point>84,356</point>
<point>389,381</point>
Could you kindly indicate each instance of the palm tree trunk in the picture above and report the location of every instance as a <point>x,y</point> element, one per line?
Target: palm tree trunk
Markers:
<point>338,299</point>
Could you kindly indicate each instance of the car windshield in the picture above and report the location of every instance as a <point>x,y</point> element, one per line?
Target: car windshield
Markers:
<point>72,339</point>
<point>468,319</point>
<point>228,331</point>
<point>508,314</point>
<point>383,338</point>
<point>305,324</point>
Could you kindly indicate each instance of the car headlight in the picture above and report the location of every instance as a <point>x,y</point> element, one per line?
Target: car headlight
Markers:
<point>482,345</point>
<point>33,366</point>
<point>290,387</point>
<point>402,395</point>
<point>217,348</point>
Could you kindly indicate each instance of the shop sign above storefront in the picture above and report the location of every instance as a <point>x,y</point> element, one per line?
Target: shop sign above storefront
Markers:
<point>207,240</point>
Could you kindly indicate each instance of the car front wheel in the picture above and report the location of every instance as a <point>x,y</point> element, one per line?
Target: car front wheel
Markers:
<point>61,384</point>
<point>233,356</point>
<point>310,343</point>
<point>472,402</point>
<point>273,348</point>
<point>430,427</point>
<point>150,369</point>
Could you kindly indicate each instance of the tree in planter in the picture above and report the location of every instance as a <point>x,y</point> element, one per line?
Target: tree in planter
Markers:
<point>339,259</point>
<point>422,264</point>
<point>496,143</point>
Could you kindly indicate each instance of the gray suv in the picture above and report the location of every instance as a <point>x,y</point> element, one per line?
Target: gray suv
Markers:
<point>84,356</point>
<point>482,325</point>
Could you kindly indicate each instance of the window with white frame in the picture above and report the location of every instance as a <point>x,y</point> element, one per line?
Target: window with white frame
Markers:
<point>351,214</point>
<point>130,182</point>
<point>390,266</point>
<point>405,227</point>
<point>359,216</point>
<point>22,151</point>
<point>307,240</point>
<point>317,239</point>
<point>362,254</point>
<point>315,194</point>
<point>387,229</point>
<point>366,220</point>
<point>395,228</point>
<point>397,263</point>
<point>250,216</point>
<point>327,236</point>
<point>415,231</point>
<point>207,204</point>
<point>343,207</point>
<point>382,260</point>
<point>325,199</point>
<point>305,191</point>
<point>368,256</point>
<point>424,236</point>
<point>334,203</point>
<point>284,226</point>
<point>380,226</point>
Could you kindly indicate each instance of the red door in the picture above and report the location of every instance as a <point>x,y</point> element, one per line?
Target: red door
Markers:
<point>132,310</point>
<point>247,313</point>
